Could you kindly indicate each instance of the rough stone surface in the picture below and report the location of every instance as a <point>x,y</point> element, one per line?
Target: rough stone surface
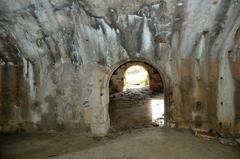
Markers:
<point>137,144</point>
<point>57,56</point>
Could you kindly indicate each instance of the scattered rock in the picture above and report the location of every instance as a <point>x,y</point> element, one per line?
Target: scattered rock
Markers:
<point>228,141</point>
<point>135,94</point>
<point>204,133</point>
<point>97,138</point>
<point>238,140</point>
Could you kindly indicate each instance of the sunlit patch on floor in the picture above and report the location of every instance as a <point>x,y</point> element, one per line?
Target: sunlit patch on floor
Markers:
<point>157,106</point>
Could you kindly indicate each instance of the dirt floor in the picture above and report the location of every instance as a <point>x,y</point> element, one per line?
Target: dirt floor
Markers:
<point>132,136</point>
<point>133,108</point>
<point>150,143</point>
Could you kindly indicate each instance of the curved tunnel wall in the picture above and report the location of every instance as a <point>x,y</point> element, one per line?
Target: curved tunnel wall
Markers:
<point>56,58</point>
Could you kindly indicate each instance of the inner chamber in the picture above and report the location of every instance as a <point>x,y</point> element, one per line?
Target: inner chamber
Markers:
<point>136,97</point>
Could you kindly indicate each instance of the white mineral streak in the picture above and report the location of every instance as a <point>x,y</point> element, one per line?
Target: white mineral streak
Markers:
<point>156,6</point>
<point>29,77</point>
<point>146,36</point>
<point>225,98</point>
<point>225,85</point>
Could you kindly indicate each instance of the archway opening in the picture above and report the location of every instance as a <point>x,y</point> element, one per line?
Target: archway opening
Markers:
<point>136,76</point>
<point>136,97</point>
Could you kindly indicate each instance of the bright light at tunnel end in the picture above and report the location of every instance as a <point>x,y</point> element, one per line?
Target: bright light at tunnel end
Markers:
<point>136,77</point>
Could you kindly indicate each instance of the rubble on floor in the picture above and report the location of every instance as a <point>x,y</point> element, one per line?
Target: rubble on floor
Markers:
<point>228,141</point>
<point>135,94</point>
<point>225,139</point>
<point>204,133</point>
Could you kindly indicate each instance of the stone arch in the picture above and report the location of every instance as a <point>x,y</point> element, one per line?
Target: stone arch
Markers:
<point>117,78</point>
<point>114,67</point>
<point>101,112</point>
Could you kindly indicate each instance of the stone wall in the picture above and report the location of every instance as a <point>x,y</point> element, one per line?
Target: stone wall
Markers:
<point>57,57</point>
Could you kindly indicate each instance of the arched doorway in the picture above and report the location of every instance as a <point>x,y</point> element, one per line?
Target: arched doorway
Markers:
<point>136,91</point>
<point>136,76</point>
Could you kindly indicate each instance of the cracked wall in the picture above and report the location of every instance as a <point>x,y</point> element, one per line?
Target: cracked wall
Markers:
<point>56,58</point>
